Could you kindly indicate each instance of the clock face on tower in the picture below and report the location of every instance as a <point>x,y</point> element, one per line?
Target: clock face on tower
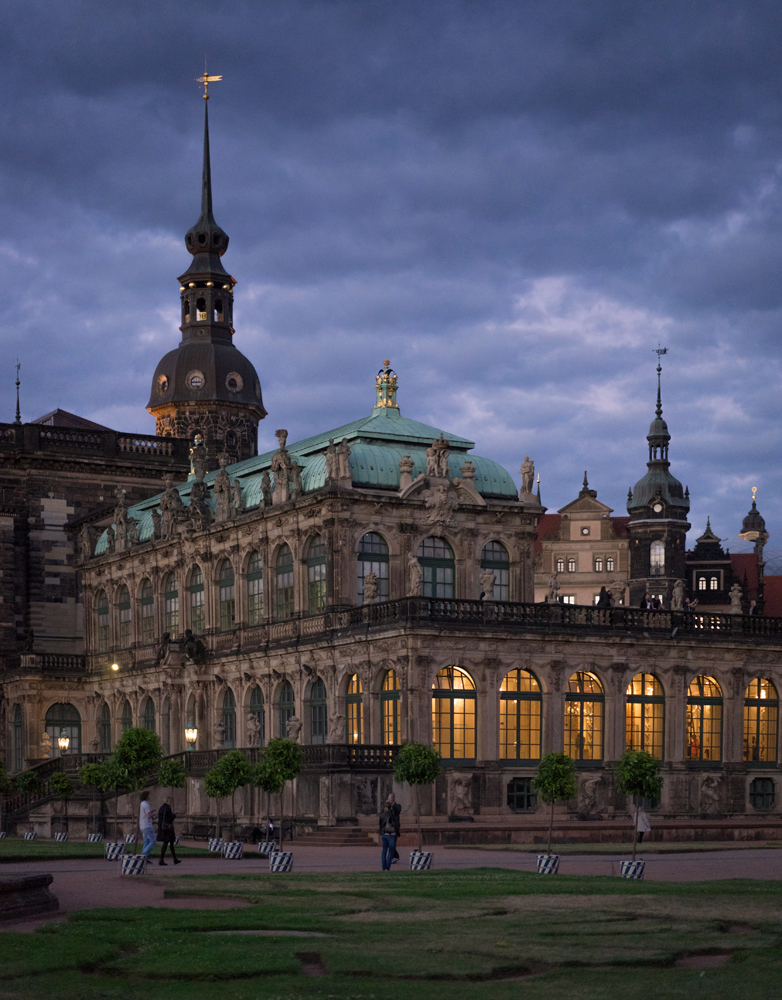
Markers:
<point>657,508</point>
<point>585,531</point>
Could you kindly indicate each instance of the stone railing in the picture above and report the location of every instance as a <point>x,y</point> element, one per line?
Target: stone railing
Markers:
<point>69,664</point>
<point>45,439</point>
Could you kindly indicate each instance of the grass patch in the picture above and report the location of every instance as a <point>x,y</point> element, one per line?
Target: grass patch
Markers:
<point>680,847</point>
<point>12,850</point>
<point>484,933</point>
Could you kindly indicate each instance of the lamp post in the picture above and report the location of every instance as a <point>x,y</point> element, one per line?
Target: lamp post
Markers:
<point>63,741</point>
<point>191,735</point>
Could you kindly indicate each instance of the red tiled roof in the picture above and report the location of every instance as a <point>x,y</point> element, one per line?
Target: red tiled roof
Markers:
<point>620,526</point>
<point>772,592</point>
<point>745,563</point>
<point>548,528</point>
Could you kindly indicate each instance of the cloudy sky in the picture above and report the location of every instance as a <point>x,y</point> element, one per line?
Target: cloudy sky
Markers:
<point>514,201</point>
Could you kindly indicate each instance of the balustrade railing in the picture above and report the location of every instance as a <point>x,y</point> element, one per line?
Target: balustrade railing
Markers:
<point>107,444</point>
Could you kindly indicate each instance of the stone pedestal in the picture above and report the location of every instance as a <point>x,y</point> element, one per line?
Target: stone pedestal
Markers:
<point>24,896</point>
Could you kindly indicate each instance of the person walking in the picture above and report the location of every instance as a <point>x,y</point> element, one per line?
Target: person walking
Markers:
<point>389,831</point>
<point>146,826</point>
<point>165,832</point>
<point>642,824</point>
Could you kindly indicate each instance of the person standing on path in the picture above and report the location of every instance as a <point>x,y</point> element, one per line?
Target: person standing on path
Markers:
<point>389,831</point>
<point>642,823</point>
<point>146,826</point>
<point>165,831</point>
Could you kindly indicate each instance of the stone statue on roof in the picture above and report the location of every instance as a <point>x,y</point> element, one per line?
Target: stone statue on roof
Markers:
<point>553,588</point>
<point>343,459</point>
<point>198,458</point>
<point>238,497</point>
<point>735,599</point>
<point>222,490</point>
<point>527,471</point>
<point>266,488</point>
<point>677,598</point>
<point>443,451</point>
<point>332,462</point>
<point>296,471</point>
<point>110,537</point>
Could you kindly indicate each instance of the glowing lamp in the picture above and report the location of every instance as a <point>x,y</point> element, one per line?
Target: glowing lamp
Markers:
<point>63,741</point>
<point>115,667</point>
<point>191,735</point>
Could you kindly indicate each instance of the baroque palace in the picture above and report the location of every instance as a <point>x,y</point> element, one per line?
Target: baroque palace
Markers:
<point>370,585</point>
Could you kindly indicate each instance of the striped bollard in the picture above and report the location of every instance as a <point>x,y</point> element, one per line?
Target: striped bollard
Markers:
<point>113,850</point>
<point>281,861</point>
<point>632,869</point>
<point>61,837</point>
<point>548,864</point>
<point>420,860</point>
<point>216,845</point>
<point>267,846</point>
<point>129,838</point>
<point>176,841</point>
<point>132,864</point>
<point>31,835</point>
<point>94,838</point>
<point>233,851</point>
<point>2,834</point>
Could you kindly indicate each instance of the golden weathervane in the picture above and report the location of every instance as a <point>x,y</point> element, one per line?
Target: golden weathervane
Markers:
<point>206,80</point>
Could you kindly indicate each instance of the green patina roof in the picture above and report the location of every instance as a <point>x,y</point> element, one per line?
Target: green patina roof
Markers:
<point>377,444</point>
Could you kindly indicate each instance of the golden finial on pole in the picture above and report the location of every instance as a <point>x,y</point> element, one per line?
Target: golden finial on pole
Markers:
<point>754,492</point>
<point>206,80</point>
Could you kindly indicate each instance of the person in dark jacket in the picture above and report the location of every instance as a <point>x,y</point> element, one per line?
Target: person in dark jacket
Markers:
<point>389,831</point>
<point>165,831</point>
<point>604,598</point>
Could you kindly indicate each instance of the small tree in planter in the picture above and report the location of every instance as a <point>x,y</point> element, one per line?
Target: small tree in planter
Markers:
<point>638,774</point>
<point>172,774</point>
<point>229,773</point>
<point>62,788</point>
<point>28,783</point>
<point>114,780</point>
<point>418,764</point>
<point>266,777</point>
<point>135,757</point>
<point>555,781</point>
<point>283,758</point>
<point>93,776</point>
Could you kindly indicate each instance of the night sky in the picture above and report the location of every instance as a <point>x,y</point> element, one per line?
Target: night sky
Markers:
<point>515,202</point>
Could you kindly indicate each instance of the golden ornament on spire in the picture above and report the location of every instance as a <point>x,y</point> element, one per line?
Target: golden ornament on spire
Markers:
<point>754,491</point>
<point>385,387</point>
<point>206,80</point>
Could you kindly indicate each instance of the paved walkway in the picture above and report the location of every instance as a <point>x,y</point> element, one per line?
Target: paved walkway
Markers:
<point>81,885</point>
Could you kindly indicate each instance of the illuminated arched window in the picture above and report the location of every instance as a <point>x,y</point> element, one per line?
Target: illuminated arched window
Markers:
<point>495,558</point>
<point>714,583</point>
<point>598,564</point>
<point>102,621</point>
<point>438,568</point>
<point>148,715</point>
<point>584,704</point>
<point>123,607</point>
<point>520,702</point>
<point>126,718</point>
<point>645,715</point>
<point>229,718</point>
<point>256,709</point>
<point>761,710</point>
<point>560,565</point>
<point>284,575</point>
<point>318,708</point>
<point>64,719</point>
<point>286,708</point>
<point>147,612</point>
<point>373,558</point>
<point>227,596</point>
<point>354,705</point>
<point>453,714</point>
<point>255,611</point>
<point>171,606</point>
<point>316,576</point>
<point>657,559</point>
<point>197,618</point>
<point>389,708</point>
<point>104,729</point>
<point>704,720</point>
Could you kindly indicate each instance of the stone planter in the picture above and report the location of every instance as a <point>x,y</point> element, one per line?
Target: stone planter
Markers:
<point>94,838</point>
<point>216,845</point>
<point>267,846</point>
<point>132,864</point>
<point>61,837</point>
<point>233,851</point>
<point>113,850</point>
<point>30,835</point>
<point>632,869</point>
<point>281,861</point>
<point>548,864</point>
<point>420,860</point>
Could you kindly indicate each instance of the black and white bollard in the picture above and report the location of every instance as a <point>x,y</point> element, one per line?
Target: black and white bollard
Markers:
<point>113,850</point>
<point>132,864</point>
<point>420,861</point>
<point>281,861</point>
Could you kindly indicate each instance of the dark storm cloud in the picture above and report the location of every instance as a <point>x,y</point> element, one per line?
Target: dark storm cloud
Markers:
<point>515,201</point>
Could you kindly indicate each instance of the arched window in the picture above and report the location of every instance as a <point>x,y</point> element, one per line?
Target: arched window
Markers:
<point>645,715</point>
<point>714,583</point>
<point>571,565</point>
<point>256,711</point>
<point>657,559</point>
<point>495,557</point>
<point>560,565</point>
<point>201,310</point>
<point>701,583</point>
<point>373,558</point>
<point>165,726</point>
<point>229,718</point>
<point>438,571</point>
<point>704,720</point>
<point>286,708</point>
<point>761,709</point>
<point>255,589</point>
<point>354,711</point>
<point>520,702</point>
<point>316,576</point>
<point>148,715</point>
<point>126,718</point>
<point>453,714</point>
<point>123,606</point>
<point>197,620</point>
<point>584,703</point>
<point>598,564</point>
<point>389,708</point>
<point>171,606</point>
<point>284,574</point>
<point>610,564</point>
<point>185,310</point>
<point>218,311</point>
<point>104,729</point>
<point>63,719</point>
<point>147,612</point>
<point>102,621</point>
<point>226,596</point>
<point>318,712</point>
<point>19,738</point>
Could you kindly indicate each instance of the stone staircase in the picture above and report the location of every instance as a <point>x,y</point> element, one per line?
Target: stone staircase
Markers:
<point>337,836</point>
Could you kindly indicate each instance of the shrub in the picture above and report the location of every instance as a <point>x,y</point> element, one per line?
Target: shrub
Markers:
<point>418,764</point>
<point>638,774</point>
<point>555,781</point>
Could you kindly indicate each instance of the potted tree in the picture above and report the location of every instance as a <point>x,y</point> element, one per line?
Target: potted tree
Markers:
<point>266,777</point>
<point>93,776</point>
<point>229,773</point>
<point>61,787</point>
<point>554,781</point>
<point>28,783</point>
<point>282,758</point>
<point>418,764</point>
<point>637,774</point>
<point>135,757</point>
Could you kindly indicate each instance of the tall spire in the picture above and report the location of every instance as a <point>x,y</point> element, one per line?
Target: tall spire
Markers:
<point>18,419</point>
<point>659,352</point>
<point>206,175</point>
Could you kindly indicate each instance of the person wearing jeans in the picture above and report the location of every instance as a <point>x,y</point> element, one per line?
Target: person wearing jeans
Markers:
<point>146,826</point>
<point>389,831</point>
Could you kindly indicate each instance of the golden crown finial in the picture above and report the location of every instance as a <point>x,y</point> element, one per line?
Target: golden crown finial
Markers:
<point>206,80</point>
<point>754,491</point>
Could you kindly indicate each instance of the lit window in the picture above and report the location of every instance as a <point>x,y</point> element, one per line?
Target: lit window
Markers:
<point>560,565</point>
<point>657,559</point>
<point>520,705</point>
<point>354,714</point>
<point>701,583</point>
<point>453,714</point>
<point>584,704</point>
<point>571,565</point>
<point>645,715</point>
<point>567,598</point>
<point>610,564</point>
<point>598,564</point>
<point>704,720</point>
<point>389,708</point>
<point>714,583</point>
<point>761,708</point>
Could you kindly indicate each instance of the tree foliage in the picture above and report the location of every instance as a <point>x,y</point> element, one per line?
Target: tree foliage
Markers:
<point>93,776</point>
<point>285,757</point>
<point>135,757</point>
<point>555,781</point>
<point>61,786</point>
<point>27,783</point>
<point>638,773</point>
<point>229,773</point>
<point>418,764</point>
<point>6,784</point>
<point>266,777</point>
<point>172,774</point>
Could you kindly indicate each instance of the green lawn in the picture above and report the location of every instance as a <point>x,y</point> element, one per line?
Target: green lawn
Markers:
<point>488,934</point>
<point>625,849</point>
<point>50,850</point>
